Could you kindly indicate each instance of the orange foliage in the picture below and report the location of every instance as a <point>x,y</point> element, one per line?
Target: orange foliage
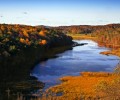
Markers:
<point>25,41</point>
<point>22,40</point>
<point>43,42</point>
<point>25,34</point>
<point>42,33</point>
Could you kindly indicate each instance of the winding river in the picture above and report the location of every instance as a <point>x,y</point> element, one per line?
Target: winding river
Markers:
<point>72,62</point>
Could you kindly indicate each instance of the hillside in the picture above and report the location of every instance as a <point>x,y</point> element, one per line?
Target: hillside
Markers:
<point>104,35</point>
<point>21,48</point>
<point>85,29</point>
<point>14,38</point>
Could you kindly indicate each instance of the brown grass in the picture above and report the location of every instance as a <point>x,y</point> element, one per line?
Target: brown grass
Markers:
<point>85,86</point>
<point>113,52</point>
<point>81,36</point>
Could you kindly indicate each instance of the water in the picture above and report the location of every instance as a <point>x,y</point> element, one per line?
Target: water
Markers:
<point>72,62</point>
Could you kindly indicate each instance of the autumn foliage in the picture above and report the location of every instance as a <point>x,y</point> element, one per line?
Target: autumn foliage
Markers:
<point>42,33</point>
<point>43,42</point>
<point>22,36</point>
<point>107,35</point>
<point>104,35</point>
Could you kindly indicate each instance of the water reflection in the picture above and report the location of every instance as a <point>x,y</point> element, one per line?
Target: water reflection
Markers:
<point>72,62</point>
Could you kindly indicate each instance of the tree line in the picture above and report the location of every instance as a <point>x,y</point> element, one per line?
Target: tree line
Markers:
<point>14,38</point>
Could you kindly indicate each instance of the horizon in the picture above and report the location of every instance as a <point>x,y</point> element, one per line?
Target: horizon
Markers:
<point>59,12</point>
<point>61,25</point>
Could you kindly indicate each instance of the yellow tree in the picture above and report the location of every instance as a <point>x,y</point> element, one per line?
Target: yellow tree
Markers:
<point>25,33</point>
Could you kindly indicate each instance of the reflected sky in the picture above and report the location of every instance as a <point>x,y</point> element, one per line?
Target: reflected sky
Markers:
<point>72,62</point>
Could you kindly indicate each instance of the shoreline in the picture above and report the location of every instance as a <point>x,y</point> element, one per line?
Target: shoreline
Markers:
<point>72,83</point>
<point>113,51</point>
<point>28,60</point>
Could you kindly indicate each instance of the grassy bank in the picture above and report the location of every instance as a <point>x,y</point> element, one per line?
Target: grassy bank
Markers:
<point>89,86</point>
<point>114,50</point>
<point>81,36</point>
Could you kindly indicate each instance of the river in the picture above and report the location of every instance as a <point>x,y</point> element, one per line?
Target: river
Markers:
<point>72,62</point>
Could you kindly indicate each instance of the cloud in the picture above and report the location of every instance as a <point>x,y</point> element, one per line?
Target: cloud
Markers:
<point>25,13</point>
<point>1,16</point>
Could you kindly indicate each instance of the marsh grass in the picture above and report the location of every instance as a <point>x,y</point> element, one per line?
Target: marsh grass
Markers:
<point>88,86</point>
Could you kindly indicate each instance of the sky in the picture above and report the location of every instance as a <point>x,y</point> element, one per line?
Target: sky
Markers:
<point>60,12</point>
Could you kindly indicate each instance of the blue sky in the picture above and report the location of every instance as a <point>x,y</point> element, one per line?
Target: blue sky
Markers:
<point>60,12</point>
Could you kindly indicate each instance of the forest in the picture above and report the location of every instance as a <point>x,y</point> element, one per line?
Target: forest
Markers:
<point>104,35</point>
<point>21,48</point>
<point>14,38</point>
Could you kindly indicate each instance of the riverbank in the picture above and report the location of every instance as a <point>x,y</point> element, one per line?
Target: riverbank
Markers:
<point>90,85</point>
<point>82,37</point>
<point>87,86</point>
<point>113,51</point>
<point>16,77</point>
<point>22,47</point>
